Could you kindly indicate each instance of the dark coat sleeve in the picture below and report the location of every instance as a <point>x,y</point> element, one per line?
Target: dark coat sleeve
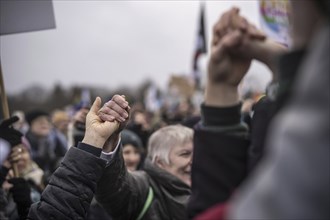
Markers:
<point>71,188</point>
<point>263,113</point>
<point>220,158</point>
<point>121,193</point>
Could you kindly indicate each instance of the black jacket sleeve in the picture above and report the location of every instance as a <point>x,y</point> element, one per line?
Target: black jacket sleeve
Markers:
<point>220,157</point>
<point>71,188</point>
<point>121,193</point>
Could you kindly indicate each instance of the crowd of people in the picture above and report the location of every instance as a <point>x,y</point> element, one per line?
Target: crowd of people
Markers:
<point>264,159</point>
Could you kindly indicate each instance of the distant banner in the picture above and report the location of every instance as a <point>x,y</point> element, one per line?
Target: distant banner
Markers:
<point>274,16</point>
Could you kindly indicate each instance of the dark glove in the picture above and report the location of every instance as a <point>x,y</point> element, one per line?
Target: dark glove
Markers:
<point>78,132</point>
<point>3,173</point>
<point>10,134</point>
<point>21,192</point>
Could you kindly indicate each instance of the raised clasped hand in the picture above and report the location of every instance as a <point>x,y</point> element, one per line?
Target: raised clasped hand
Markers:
<point>98,130</point>
<point>228,63</point>
<point>236,42</point>
<point>115,110</point>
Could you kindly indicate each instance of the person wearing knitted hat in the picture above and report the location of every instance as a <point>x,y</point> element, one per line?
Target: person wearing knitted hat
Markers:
<point>132,150</point>
<point>46,150</point>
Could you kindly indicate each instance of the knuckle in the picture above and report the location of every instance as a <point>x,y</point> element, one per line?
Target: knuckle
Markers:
<point>110,104</point>
<point>113,113</point>
<point>116,97</point>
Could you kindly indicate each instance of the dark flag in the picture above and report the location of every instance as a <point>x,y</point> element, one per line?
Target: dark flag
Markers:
<point>201,46</point>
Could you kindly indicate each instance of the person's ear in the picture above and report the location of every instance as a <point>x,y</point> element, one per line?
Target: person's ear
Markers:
<point>160,163</point>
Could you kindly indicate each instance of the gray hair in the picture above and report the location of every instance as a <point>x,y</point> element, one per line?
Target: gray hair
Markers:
<point>163,140</point>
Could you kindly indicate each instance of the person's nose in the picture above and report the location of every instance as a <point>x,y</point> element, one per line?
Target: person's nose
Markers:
<point>191,160</point>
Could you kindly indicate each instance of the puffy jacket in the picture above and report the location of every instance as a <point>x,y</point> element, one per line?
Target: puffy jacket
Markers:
<point>71,188</point>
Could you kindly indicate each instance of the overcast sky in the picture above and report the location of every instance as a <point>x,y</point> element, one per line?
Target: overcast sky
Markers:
<point>112,43</point>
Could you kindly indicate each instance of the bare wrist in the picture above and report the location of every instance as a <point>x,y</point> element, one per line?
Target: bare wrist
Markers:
<point>270,51</point>
<point>111,143</point>
<point>93,141</point>
<point>221,95</point>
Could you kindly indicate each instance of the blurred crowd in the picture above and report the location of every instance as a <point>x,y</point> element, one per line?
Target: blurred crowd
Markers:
<point>35,142</point>
<point>257,155</point>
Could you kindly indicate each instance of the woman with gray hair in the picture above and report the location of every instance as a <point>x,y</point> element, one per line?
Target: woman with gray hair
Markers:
<point>170,148</point>
<point>161,190</point>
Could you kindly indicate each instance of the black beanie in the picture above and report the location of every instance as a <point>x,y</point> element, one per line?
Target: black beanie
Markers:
<point>32,115</point>
<point>129,137</point>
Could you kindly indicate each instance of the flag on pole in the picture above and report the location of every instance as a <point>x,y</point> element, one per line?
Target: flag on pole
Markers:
<point>201,46</point>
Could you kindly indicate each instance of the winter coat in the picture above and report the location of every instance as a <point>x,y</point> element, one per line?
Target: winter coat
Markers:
<point>47,151</point>
<point>220,157</point>
<point>71,188</point>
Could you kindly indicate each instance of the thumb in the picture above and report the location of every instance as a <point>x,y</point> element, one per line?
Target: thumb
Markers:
<point>96,105</point>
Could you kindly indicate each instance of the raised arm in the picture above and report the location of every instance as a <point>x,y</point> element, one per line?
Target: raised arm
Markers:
<point>121,193</point>
<point>221,138</point>
<point>72,186</point>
